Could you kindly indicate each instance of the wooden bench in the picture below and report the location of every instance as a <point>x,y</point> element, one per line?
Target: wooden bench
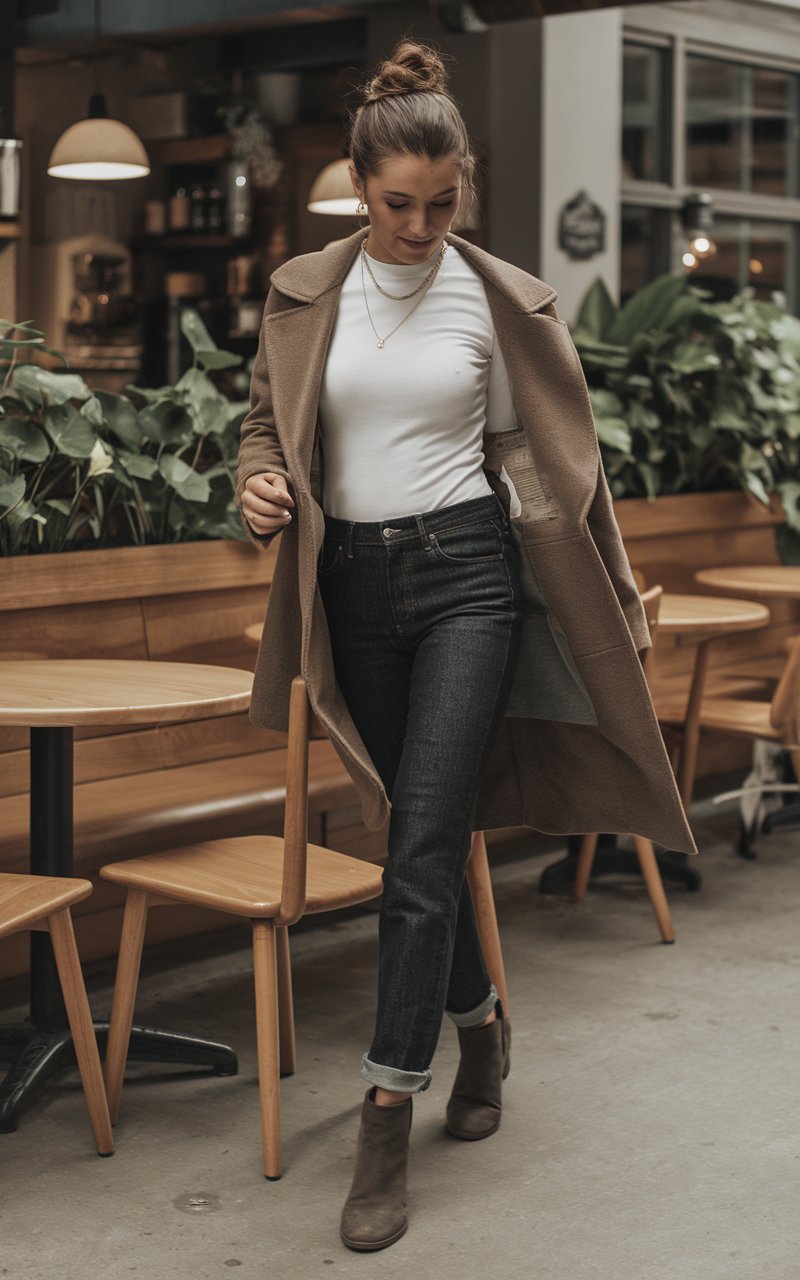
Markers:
<point>138,790</point>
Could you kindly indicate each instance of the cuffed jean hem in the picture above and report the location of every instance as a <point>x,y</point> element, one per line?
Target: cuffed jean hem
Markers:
<point>393,1078</point>
<point>474,1017</point>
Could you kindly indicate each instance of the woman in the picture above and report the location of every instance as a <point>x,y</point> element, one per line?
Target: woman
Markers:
<point>468,623</point>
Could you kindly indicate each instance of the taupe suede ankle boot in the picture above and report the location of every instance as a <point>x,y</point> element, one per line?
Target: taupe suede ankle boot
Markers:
<point>475,1104</point>
<point>374,1213</point>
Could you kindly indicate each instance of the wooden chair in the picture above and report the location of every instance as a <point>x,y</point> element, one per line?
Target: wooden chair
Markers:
<point>645,852</point>
<point>43,902</point>
<point>271,881</point>
<point>775,721</point>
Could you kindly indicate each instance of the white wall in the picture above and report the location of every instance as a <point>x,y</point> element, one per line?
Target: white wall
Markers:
<point>580,141</point>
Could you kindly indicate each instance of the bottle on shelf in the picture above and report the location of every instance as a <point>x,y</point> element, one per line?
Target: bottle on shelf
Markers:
<point>197,207</point>
<point>215,210</point>
<point>179,209</point>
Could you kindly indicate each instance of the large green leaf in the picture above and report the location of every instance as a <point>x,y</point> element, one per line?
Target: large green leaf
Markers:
<point>195,331</point>
<point>790,497</point>
<point>180,477</point>
<point>23,440</point>
<point>165,422</point>
<point>139,465</point>
<point>647,308</point>
<point>58,388</point>
<point>121,418</point>
<point>614,432</point>
<point>197,387</point>
<point>12,488</point>
<point>597,311</point>
<point>70,432</point>
<point>216,359</point>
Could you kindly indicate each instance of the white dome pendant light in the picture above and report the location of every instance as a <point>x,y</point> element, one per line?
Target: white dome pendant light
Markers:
<point>98,148</point>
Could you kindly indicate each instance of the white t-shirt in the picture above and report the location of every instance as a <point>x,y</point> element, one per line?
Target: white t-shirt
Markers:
<point>402,426</point>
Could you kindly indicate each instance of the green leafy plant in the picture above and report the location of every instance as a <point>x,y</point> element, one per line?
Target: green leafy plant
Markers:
<point>83,469</point>
<point>695,395</point>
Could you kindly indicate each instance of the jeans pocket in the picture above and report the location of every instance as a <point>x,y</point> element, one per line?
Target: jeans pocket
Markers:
<point>331,556</point>
<point>470,543</point>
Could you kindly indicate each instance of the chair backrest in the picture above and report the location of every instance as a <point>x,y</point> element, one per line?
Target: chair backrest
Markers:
<point>651,602</point>
<point>295,820</point>
<point>784,712</point>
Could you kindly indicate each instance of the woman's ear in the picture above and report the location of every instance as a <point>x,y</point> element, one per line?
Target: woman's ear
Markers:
<point>356,181</point>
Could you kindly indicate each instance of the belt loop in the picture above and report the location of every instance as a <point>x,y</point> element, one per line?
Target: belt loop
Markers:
<point>349,539</point>
<point>422,535</point>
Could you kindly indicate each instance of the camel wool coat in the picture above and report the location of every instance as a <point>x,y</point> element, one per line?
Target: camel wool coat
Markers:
<point>579,748</point>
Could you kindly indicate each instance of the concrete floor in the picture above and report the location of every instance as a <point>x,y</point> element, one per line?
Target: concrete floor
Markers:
<point>650,1127</point>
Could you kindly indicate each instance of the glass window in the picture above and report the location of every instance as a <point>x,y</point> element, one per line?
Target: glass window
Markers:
<point>644,115</point>
<point>742,127</point>
<point>645,247</point>
<point>750,252</point>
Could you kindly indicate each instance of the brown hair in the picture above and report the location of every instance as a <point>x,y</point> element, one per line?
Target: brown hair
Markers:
<point>406,107</point>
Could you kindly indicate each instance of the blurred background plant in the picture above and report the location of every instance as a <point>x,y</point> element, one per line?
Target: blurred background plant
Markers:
<point>694,395</point>
<point>82,469</point>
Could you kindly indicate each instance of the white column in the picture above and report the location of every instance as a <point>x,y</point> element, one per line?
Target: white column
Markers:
<point>581,133</point>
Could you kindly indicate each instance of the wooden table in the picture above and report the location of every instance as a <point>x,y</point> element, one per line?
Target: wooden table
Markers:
<point>51,698</point>
<point>696,620</point>
<point>765,582</point>
<point>761,581</point>
<point>253,633</point>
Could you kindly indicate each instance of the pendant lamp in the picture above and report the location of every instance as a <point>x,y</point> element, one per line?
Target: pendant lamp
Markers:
<point>98,148</point>
<point>332,191</point>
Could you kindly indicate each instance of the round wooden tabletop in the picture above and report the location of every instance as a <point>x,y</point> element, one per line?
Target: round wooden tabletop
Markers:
<point>709,615</point>
<point>108,691</point>
<point>765,581</point>
<point>252,634</point>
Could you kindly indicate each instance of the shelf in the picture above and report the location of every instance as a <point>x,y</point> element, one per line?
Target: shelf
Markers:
<point>211,150</point>
<point>10,231</point>
<point>189,241</point>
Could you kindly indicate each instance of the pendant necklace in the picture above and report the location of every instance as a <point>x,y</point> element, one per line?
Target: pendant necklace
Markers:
<point>422,289</point>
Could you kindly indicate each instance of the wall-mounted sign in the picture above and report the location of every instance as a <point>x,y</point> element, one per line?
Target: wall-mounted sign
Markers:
<point>581,227</point>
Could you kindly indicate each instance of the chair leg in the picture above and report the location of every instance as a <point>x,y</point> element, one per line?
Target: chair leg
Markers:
<point>655,886</point>
<point>127,980</point>
<point>80,1022</point>
<point>265,965</point>
<point>585,863</point>
<point>480,886</point>
<point>285,1003</point>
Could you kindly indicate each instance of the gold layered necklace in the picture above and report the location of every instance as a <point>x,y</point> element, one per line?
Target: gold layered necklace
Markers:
<point>421,289</point>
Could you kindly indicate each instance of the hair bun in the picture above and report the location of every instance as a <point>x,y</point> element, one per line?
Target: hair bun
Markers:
<point>410,68</point>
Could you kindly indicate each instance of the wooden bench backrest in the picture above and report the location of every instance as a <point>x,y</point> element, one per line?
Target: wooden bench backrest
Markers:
<point>46,615</point>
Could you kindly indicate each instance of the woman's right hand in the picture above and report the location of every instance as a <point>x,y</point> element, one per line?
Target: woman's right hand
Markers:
<point>266,501</point>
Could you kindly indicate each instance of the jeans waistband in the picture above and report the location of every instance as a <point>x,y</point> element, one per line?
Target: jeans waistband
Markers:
<point>402,528</point>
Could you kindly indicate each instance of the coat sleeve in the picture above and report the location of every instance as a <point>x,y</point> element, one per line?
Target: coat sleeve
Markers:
<point>259,446</point>
<point>606,535</point>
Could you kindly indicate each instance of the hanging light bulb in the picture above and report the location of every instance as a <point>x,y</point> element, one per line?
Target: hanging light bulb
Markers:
<point>98,148</point>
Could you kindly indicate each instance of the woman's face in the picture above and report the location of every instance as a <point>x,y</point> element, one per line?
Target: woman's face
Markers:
<point>411,202</point>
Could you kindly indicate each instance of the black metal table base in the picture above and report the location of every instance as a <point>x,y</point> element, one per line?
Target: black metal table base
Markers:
<point>559,877</point>
<point>36,1056</point>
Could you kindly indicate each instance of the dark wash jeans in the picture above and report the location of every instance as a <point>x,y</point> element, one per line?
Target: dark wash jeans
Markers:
<point>425,624</point>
